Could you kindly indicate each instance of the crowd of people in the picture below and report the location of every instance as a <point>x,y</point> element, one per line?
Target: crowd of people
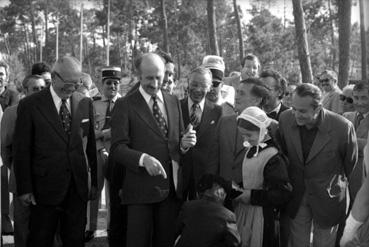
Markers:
<point>251,160</point>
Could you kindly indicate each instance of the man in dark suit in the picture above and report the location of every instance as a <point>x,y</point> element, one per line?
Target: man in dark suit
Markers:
<point>322,150</point>
<point>147,140</point>
<point>204,116</point>
<point>228,152</point>
<point>277,86</point>
<point>55,146</point>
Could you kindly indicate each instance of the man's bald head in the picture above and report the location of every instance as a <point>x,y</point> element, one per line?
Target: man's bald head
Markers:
<point>151,70</point>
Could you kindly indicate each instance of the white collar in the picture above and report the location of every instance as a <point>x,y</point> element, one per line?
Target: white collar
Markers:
<point>57,100</point>
<point>277,109</point>
<point>147,96</point>
<point>117,96</point>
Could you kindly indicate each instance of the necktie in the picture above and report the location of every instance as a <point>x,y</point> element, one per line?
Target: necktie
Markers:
<point>158,115</point>
<point>358,120</point>
<point>107,117</point>
<point>195,117</point>
<point>65,116</point>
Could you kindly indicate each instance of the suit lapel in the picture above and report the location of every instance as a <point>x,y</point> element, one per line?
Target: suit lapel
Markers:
<point>74,102</point>
<point>205,119</point>
<point>171,114</point>
<point>322,138</point>
<point>144,112</point>
<point>185,112</point>
<point>48,110</point>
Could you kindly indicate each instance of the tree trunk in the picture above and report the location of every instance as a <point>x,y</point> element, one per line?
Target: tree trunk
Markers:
<point>239,30</point>
<point>302,43</point>
<point>165,26</point>
<point>364,75</point>
<point>46,13</point>
<point>34,36</point>
<point>213,42</point>
<point>333,47</point>
<point>344,32</point>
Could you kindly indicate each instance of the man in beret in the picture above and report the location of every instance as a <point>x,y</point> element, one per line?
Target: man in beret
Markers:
<point>54,147</point>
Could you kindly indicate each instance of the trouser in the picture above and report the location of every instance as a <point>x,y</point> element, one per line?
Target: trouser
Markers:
<point>93,206</point>
<point>152,224</point>
<point>70,214</point>
<point>6,224</point>
<point>300,229</point>
<point>21,222</point>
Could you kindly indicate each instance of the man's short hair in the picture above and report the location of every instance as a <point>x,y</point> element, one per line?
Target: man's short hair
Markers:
<point>6,66</point>
<point>251,57</point>
<point>29,78</point>
<point>281,81</point>
<point>258,90</point>
<point>40,68</point>
<point>361,86</point>
<point>207,181</point>
<point>308,89</point>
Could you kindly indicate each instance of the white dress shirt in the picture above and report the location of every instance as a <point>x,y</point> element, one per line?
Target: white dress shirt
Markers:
<point>58,101</point>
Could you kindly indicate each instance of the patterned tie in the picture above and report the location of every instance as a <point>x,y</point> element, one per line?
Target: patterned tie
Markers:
<point>107,117</point>
<point>195,117</point>
<point>158,115</point>
<point>65,117</point>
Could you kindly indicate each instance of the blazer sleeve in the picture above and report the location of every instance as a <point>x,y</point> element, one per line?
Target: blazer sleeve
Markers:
<point>91,146</point>
<point>120,133</point>
<point>350,150</point>
<point>23,140</point>
<point>276,190</point>
<point>7,132</point>
<point>213,156</point>
<point>231,237</point>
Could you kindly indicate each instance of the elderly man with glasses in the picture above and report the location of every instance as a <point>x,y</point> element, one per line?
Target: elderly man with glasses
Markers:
<point>331,98</point>
<point>54,147</point>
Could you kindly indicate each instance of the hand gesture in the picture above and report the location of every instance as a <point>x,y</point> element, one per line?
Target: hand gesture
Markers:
<point>189,138</point>
<point>153,166</point>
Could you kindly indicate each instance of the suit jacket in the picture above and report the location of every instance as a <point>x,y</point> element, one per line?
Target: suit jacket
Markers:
<point>45,159</point>
<point>228,152</point>
<point>195,161</point>
<point>333,155</point>
<point>7,134</point>
<point>205,223</point>
<point>134,131</point>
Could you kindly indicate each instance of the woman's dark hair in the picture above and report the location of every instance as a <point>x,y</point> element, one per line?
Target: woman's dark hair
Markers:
<point>244,124</point>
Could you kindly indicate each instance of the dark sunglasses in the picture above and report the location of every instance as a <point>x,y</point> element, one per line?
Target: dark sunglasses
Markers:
<point>287,94</point>
<point>347,99</point>
<point>74,84</point>
<point>324,80</point>
<point>216,83</point>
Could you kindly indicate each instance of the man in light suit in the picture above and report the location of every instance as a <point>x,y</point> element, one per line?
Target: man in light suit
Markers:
<point>54,146</point>
<point>322,151</point>
<point>360,120</point>
<point>31,84</point>
<point>147,140</point>
<point>203,115</point>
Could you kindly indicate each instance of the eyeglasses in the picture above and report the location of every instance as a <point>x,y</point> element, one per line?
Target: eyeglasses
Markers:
<point>324,80</point>
<point>347,99</point>
<point>74,84</point>
<point>216,83</point>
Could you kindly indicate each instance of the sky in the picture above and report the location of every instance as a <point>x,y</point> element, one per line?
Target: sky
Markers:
<point>277,8</point>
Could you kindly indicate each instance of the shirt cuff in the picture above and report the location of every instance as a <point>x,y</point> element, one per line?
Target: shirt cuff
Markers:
<point>140,162</point>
